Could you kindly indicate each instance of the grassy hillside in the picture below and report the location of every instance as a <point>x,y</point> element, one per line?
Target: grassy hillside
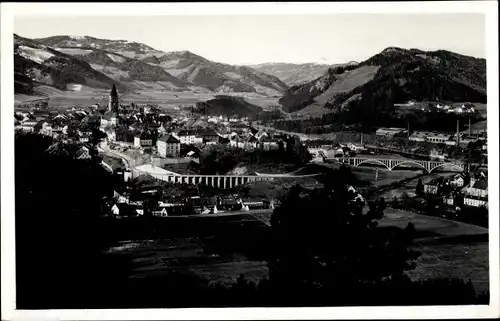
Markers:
<point>395,75</point>
<point>219,77</point>
<point>229,106</point>
<point>293,74</point>
<point>181,69</point>
<point>301,96</point>
<point>36,62</point>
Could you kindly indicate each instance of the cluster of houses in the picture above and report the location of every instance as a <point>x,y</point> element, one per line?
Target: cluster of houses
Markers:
<point>434,137</point>
<point>124,203</point>
<point>437,139</point>
<point>146,127</point>
<point>467,108</point>
<point>240,135</point>
<point>331,149</point>
<point>75,124</point>
<point>155,201</point>
<point>461,190</point>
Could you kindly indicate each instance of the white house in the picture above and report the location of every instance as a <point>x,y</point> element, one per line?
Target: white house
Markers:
<point>457,181</point>
<point>83,153</point>
<point>260,135</point>
<point>168,146</point>
<point>115,210</point>
<point>476,193</point>
<point>109,118</point>
<point>269,144</point>
<point>162,212</point>
<point>28,125</point>
<point>46,129</point>
<point>475,201</point>
<point>236,141</point>
<point>356,147</point>
<point>189,137</point>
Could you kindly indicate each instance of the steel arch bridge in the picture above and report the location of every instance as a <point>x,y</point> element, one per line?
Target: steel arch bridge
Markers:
<point>391,164</point>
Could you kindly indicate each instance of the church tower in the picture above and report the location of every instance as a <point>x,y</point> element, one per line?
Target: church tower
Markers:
<point>113,100</point>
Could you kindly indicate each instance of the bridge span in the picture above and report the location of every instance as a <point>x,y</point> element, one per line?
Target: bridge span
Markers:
<point>391,163</point>
<point>220,181</point>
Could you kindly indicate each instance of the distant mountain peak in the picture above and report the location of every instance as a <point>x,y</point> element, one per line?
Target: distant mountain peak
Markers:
<point>78,37</point>
<point>184,54</point>
<point>394,49</point>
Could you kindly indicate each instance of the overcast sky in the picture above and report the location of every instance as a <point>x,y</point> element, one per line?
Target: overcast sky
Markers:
<point>258,39</point>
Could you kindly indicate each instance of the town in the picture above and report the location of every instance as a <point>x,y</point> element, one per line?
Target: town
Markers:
<point>139,141</point>
<point>321,160</point>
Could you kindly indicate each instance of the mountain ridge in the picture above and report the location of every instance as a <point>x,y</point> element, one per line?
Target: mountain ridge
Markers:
<point>42,64</point>
<point>392,76</point>
<point>187,67</point>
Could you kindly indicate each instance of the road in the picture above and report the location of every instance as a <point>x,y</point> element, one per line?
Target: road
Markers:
<point>262,215</point>
<point>104,148</point>
<point>300,135</point>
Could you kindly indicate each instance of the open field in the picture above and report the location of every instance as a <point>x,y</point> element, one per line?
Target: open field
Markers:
<point>164,98</point>
<point>217,248</point>
<point>448,248</point>
<point>464,261</point>
<point>410,186</point>
<point>385,177</point>
<point>220,248</point>
<point>430,226</point>
<point>367,173</point>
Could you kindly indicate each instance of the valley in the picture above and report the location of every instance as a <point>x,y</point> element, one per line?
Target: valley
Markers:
<point>205,166</point>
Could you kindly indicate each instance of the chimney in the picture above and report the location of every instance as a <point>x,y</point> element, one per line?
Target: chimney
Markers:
<point>458,132</point>
<point>470,133</point>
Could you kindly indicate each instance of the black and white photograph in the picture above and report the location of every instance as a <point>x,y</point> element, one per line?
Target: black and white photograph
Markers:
<point>173,157</point>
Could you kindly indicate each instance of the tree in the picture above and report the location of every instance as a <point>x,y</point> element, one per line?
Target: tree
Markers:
<point>281,147</point>
<point>419,190</point>
<point>58,200</point>
<point>324,240</point>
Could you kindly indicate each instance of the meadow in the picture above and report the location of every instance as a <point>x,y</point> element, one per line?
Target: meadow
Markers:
<point>220,248</point>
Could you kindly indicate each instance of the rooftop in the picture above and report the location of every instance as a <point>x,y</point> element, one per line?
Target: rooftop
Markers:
<point>169,139</point>
<point>435,181</point>
<point>481,184</point>
<point>391,129</point>
<point>154,170</point>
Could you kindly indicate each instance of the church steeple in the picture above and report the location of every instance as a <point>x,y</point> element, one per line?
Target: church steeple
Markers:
<point>113,100</point>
